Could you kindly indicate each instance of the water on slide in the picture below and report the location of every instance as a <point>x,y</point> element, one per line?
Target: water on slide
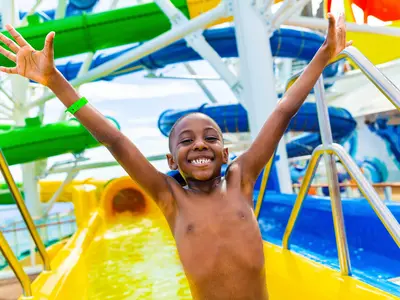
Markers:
<point>135,258</point>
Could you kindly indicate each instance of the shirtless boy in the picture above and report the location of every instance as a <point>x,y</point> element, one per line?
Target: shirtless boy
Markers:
<point>211,218</point>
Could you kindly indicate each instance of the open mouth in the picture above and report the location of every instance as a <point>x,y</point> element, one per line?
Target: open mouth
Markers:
<point>200,161</point>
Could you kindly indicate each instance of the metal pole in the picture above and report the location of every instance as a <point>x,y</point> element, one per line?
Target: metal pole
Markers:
<point>305,186</point>
<point>201,84</point>
<point>384,214</point>
<point>387,87</point>
<point>382,83</point>
<point>15,266</point>
<point>24,211</point>
<point>263,186</point>
<point>388,193</point>
<point>331,172</point>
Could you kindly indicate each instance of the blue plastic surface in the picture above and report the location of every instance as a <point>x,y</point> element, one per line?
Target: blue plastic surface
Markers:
<point>233,118</point>
<point>285,42</point>
<point>74,7</point>
<point>390,133</point>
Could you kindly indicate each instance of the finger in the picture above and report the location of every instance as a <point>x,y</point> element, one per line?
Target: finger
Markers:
<point>331,28</point>
<point>349,43</point>
<point>340,21</point>
<point>49,44</point>
<point>10,43</point>
<point>9,70</point>
<point>17,37</point>
<point>342,25</point>
<point>8,54</point>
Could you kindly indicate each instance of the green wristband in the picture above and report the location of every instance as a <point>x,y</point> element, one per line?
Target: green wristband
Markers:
<point>77,105</point>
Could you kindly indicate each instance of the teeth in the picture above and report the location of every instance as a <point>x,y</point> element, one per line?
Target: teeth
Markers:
<point>200,161</point>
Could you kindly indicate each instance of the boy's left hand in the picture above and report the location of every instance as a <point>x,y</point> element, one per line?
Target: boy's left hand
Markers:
<point>335,41</point>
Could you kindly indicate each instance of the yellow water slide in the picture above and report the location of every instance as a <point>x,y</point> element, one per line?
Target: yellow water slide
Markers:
<point>123,249</point>
<point>378,48</point>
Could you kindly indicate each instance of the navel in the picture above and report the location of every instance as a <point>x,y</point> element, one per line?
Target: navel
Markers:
<point>241,215</point>
<point>190,228</point>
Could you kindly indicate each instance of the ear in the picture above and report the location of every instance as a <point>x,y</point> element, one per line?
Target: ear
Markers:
<point>171,162</point>
<point>225,155</point>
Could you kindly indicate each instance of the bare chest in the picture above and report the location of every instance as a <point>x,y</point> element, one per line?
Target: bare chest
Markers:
<point>218,234</point>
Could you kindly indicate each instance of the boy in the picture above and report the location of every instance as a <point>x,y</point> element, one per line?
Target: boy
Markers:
<point>211,218</point>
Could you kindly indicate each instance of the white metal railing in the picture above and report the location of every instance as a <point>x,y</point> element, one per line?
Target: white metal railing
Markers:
<point>351,190</point>
<point>52,228</point>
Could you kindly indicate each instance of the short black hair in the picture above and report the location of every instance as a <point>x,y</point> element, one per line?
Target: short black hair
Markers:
<point>183,117</point>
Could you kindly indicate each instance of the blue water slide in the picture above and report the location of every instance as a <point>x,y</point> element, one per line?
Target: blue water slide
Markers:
<point>233,118</point>
<point>390,133</point>
<point>286,42</point>
<point>74,7</point>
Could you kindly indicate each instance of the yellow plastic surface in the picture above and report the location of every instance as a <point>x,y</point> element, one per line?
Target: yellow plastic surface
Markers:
<point>51,251</point>
<point>198,7</point>
<point>48,188</point>
<point>133,256</point>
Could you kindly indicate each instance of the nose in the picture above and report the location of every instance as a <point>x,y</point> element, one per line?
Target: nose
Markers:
<point>200,145</point>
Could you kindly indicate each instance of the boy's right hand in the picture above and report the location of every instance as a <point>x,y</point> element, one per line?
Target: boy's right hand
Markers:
<point>35,65</point>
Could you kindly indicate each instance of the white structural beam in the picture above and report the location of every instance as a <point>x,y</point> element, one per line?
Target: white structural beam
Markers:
<point>257,77</point>
<point>61,9</point>
<point>24,21</point>
<point>5,107</point>
<point>316,23</point>
<point>20,87</point>
<point>147,48</point>
<point>201,84</point>
<point>9,12</point>
<point>199,44</point>
<point>287,9</point>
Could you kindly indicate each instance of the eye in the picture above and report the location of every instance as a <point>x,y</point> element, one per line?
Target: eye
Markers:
<point>211,138</point>
<point>186,141</point>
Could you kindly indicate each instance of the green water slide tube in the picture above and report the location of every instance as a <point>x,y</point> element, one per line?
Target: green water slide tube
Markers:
<point>91,32</point>
<point>5,195</point>
<point>36,141</point>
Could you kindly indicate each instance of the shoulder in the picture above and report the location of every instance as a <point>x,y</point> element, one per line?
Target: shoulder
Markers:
<point>235,177</point>
<point>233,174</point>
<point>176,187</point>
<point>233,168</point>
<point>165,199</point>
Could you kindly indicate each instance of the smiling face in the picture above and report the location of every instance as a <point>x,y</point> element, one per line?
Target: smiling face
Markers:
<point>197,148</point>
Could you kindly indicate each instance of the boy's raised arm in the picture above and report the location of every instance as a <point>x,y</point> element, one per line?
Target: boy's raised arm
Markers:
<point>257,156</point>
<point>39,66</point>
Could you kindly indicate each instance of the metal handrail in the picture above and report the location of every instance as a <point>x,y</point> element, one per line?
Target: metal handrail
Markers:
<point>24,211</point>
<point>328,149</point>
<point>384,84</point>
<point>384,214</point>
<point>15,266</point>
<point>349,184</point>
<point>331,173</point>
<point>263,186</point>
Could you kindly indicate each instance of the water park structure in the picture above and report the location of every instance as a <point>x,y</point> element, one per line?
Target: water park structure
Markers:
<point>319,242</point>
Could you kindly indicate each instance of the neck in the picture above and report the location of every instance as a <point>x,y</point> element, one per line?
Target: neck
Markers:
<point>203,186</point>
